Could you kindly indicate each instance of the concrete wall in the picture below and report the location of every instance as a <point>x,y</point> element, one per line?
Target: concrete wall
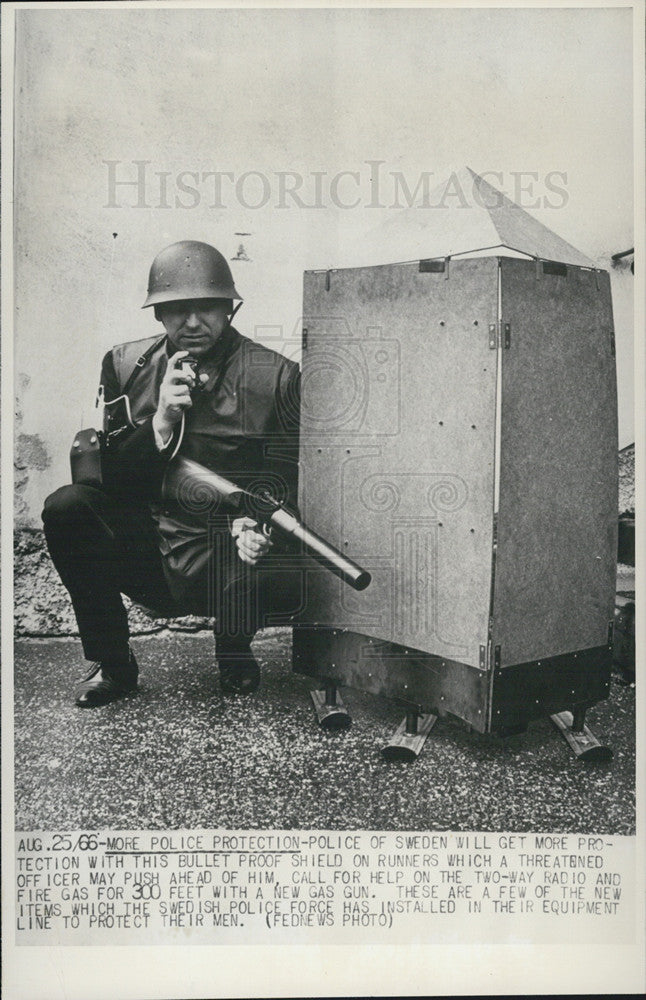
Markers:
<point>277,91</point>
<point>623,284</point>
<point>627,480</point>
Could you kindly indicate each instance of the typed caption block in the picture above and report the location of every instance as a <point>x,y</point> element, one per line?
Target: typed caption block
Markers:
<point>214,887</point>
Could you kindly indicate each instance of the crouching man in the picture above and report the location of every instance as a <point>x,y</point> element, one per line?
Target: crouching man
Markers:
<point>233,407</point>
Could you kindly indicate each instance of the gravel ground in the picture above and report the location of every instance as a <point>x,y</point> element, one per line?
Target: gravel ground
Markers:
<point>178,755</point>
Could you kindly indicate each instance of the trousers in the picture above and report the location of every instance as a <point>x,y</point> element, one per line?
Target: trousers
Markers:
<point>103,547</point>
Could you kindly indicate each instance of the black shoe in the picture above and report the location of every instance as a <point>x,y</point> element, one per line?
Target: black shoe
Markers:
<point>239,674</point>
<point>104,684</point>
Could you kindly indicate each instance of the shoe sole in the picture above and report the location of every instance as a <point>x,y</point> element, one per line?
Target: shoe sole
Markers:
<point>117,696</point>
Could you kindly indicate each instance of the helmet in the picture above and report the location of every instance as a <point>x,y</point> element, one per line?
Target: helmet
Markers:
<point>189,270</point>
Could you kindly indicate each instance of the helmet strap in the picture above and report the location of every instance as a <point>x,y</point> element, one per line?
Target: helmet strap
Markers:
<point>234,312</point>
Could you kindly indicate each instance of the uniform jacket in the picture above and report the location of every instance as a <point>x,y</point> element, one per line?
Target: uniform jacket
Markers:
<point>243,424</point>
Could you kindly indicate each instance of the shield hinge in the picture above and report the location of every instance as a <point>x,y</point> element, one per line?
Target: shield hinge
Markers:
<point>495,335</point>
<point>495,530</point>
<point>490,656</point>
<point>304,337</point>
<point>612,342</point>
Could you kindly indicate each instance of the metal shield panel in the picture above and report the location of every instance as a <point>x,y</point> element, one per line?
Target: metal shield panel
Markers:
<point>397,449</point>
<point>431,683</point>
<point>555,567</point>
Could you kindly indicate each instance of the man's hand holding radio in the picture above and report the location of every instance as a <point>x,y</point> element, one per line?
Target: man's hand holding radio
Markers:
<point>174,395</point>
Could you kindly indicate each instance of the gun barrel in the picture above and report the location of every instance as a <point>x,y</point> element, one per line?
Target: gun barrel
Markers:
<point>324,553</point>
<point>183,471</point>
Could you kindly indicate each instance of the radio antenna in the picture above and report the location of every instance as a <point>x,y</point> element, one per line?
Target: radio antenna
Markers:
<point>109,285</point>
<point>98,403</point>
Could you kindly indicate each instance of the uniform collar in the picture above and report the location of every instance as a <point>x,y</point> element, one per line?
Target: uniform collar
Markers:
<point>212,361</point>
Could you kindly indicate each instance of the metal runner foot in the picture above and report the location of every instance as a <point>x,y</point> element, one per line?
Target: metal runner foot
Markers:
<point>585,745</point>
<point>409,737</point>
<point>330,710</point>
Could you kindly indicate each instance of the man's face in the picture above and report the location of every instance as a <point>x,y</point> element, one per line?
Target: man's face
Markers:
<point>194,325</point>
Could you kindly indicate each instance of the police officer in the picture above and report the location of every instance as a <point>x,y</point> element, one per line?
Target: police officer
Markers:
<point>234,409</point>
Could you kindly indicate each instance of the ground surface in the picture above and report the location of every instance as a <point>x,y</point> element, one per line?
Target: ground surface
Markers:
<point>177,755</point>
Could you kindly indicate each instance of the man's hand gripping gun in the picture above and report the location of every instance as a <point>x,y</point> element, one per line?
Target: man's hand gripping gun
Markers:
<point>183,474</point>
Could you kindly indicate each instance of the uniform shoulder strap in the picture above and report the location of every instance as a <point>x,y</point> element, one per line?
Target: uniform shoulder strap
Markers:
<point>130,358</point>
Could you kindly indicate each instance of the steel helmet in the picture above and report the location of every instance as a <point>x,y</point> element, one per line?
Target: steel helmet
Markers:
<point>189,270</point>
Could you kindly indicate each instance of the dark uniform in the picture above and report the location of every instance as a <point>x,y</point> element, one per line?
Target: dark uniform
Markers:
<point>175,554</point>
<point>127,538</point>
